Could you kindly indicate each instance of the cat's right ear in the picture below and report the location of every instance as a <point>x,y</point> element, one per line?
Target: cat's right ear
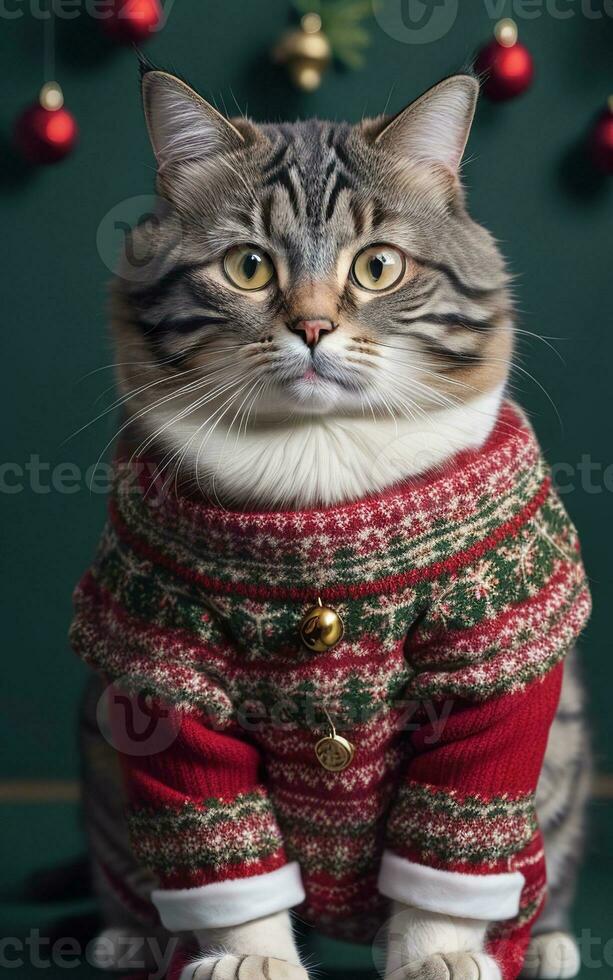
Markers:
<point>182,125</point>
<point>434,129</point>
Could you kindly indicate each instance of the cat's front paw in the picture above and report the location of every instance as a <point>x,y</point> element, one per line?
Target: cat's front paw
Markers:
<point>230,967</point>
<point>450,966</point>
<point>552,956</point>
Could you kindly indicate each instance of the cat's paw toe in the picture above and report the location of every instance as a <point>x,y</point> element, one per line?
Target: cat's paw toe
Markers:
<point>266,968</point>
<point>226,968</point>
<point>552,956</point>
<point>213,968</point>
<point>434,968</point>
<point>248,968</point>
<point>451,966</point>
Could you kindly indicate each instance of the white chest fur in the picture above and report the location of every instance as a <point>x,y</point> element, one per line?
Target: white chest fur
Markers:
<point>323,461</point>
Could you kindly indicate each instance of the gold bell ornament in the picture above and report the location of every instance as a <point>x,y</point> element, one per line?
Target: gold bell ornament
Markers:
<point>306,51</point>
<point>334,753</point>
<point>321,628</point>
<point>328,30</point>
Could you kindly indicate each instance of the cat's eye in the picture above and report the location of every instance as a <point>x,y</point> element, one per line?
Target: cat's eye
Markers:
<point>378,267</point>
<point>248,267</point>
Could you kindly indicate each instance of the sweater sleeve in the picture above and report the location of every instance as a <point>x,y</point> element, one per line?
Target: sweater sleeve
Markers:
<point>487,662</point>
<point>200,817</point>
<point>462,837</point>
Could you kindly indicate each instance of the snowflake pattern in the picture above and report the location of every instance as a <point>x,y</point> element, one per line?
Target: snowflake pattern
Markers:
<point>470,586</point>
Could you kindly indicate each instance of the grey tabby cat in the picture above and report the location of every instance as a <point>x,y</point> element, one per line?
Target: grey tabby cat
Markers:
<point>269,239</point>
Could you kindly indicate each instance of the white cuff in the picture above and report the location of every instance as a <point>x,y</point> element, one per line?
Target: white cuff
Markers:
<point>230,903</point>
<point>491,897</point>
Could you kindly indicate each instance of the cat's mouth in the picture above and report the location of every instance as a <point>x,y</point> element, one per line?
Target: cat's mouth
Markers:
<point>321,388</point>
<point>312,381</point>
<point>320,377</point>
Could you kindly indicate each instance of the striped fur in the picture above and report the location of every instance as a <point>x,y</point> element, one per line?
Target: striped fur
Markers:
<point>212,375</point>
<point>562,797</point>
<point>213,379</point>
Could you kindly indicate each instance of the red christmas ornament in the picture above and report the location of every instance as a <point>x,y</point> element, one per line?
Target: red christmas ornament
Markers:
<point>133,21</point>
<point>46,132</point>
<point>506,64</point>
<point>601,141</point>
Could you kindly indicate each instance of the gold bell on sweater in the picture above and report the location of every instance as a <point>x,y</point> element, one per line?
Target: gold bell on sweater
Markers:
<point>306,51</point>
<point>321,628</point>
<point>334,753</point>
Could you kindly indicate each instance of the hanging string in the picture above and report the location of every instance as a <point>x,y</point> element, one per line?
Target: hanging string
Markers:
<point>49,43</point>
<point>51,96</point>
<point>330,722</point>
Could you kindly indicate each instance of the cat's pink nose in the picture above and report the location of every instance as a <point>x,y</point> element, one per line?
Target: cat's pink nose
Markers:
<point>311,330</point>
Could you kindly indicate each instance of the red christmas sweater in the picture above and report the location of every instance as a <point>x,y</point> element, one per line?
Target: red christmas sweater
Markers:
<point>460,596</point>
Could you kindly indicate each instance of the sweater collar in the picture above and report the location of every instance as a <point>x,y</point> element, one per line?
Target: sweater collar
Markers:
<point>377,543</point>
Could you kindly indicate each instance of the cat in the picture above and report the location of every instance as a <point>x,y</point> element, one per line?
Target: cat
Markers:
<point>317,319</point>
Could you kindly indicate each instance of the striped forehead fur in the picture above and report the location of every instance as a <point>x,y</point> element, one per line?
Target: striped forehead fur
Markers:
<point>310,195</point>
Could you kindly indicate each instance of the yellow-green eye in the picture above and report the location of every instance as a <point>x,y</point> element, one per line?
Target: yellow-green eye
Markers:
<point>248,267</point>
<point>379,267</point>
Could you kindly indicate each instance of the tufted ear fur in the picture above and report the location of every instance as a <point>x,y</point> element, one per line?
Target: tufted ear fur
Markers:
<point>182,125</point>
<point>435,128</point>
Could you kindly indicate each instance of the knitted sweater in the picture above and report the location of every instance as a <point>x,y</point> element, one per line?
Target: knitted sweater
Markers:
<point>460,596</point>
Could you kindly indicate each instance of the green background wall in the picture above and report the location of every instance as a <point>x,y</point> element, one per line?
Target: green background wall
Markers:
<point>527,183</point>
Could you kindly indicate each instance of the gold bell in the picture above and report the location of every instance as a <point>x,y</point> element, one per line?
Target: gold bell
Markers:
<point>306,51</point>
<point>321,628</point>
<point>334,752</point>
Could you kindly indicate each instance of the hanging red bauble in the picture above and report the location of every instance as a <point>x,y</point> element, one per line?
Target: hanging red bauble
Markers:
<point>46,132</point>
<point>601,140</point>
<point>506,64</point>
<point>133,21</point>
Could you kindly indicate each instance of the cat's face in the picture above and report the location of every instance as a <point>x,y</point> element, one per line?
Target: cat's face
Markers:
<point>307,270</point>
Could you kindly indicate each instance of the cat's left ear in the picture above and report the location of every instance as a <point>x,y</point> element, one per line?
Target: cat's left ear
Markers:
<point>183,126</point>
<point>435,128</point>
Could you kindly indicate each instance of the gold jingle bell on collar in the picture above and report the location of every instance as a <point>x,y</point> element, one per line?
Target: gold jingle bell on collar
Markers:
<point>321,628</point>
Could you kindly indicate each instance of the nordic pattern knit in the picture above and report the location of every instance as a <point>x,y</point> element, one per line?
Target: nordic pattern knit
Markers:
<point>460,596</point>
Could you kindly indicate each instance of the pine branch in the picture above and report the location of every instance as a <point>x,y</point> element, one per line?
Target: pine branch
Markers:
<point>341,22</point>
